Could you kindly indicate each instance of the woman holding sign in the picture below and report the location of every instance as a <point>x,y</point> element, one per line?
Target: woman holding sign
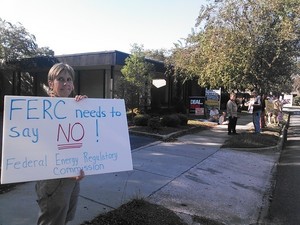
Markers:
<point>57,198</point>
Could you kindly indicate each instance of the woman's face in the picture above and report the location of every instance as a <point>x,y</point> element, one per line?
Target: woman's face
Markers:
<point>62,85</point>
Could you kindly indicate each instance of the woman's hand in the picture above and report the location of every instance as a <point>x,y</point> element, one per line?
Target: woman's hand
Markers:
<point>81,176</point>
<point>80,97</point>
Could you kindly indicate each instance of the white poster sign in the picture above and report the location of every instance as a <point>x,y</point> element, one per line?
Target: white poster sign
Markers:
<point>46,138</point>
<point>213,98</point>
<point>287,101</point>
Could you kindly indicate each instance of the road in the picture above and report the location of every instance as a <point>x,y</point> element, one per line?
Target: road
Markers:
<point>139,141</point>
<point>285,206</point>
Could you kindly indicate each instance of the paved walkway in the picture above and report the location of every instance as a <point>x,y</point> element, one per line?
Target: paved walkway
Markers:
<point>191,176</point>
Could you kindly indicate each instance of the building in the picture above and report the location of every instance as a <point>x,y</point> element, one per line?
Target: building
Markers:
<point>97,75</point>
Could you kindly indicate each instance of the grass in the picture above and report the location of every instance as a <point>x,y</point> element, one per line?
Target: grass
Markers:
<point>252,140</point>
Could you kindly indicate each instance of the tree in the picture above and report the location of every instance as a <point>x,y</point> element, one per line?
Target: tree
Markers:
<point>137,77</point>
<point>242,44</point>
<point>296,79</point>
<point>156,54</point>
<point>17,43</point>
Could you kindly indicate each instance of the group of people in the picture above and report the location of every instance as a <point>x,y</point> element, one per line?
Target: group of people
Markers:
<point>57,198</point>
<point>269,110</point>
<point>256,106</point>
<point>273,111</point>
<point>231,114</point>
<point>215,116</point>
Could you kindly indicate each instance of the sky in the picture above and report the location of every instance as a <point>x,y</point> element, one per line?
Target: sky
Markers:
<point>79,26</point>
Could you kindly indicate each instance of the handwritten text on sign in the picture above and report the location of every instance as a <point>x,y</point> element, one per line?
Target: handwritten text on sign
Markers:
<point>46,138</point>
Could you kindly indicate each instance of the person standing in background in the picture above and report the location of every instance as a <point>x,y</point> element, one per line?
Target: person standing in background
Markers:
<point>232,114</point>
<point>263,112</point>
<point>256,114</point>
<point>277,111</point>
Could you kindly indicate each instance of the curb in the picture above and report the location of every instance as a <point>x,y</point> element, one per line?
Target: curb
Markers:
<point>167,136</point>
<point>278,147</point>
<point>274,148</point>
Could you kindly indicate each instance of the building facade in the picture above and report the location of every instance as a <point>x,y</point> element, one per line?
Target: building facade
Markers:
<point>97,75</point>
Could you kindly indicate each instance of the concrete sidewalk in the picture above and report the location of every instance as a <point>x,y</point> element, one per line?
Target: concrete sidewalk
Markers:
<point>191,176</point>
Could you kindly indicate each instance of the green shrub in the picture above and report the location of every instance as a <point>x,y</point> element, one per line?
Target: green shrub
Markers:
<point>183,119</point>
<point>141,120</point>
<point>154,123</point>
<point>170,120</point>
